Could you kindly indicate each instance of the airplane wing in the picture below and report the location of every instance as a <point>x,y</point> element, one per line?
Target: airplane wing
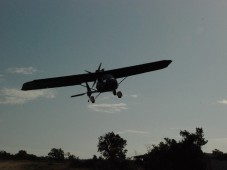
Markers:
<point>59,81</point>
<point>138,69</point>
<point>90,77</point>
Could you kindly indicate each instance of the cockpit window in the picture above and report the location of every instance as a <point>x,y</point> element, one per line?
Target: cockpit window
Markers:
<point>107,77</point>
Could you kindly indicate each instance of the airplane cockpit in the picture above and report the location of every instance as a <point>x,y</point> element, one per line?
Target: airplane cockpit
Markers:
<point>107,77</point>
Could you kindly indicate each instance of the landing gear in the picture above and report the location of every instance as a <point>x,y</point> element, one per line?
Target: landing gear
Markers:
<point>119,94</point>
<point>92,99</point>
<point>114,92</point>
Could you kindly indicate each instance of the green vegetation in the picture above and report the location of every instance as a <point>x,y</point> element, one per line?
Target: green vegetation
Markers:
<point>112,146</point>
<point>169,154</point>
<point>185,154</point>
<point>56,154</point>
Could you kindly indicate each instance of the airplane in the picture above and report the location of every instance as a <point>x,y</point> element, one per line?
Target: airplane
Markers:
<point>103,81</point>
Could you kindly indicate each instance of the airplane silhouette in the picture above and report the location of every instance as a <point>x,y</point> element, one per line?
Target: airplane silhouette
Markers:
<point>103,81</point>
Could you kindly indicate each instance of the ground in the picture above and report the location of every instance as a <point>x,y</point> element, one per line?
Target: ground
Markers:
<point>34,165</point>
<point>46,165</point>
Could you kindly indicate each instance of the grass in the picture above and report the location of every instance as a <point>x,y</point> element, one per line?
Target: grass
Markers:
<point>47,165</point>
<point>34,165</point>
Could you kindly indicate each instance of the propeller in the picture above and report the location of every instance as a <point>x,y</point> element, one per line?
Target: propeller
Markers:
<point>99,68</point>
<point>97,71</point>
<point>89,92</point>
<point>88,71</point>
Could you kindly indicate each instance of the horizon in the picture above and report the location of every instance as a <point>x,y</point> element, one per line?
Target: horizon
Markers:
<point>42,39</point>
<point>100,155</point>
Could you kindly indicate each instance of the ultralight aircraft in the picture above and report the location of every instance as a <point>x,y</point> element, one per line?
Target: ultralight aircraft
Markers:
<point>103,81</point>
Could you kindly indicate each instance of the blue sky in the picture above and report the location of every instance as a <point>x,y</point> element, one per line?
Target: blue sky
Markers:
<point>48,38</point>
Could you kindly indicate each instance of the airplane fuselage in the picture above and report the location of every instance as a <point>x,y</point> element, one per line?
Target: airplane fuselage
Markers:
<point>106,83</point>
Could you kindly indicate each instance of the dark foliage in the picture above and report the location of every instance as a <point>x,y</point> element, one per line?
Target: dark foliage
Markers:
<point>56,154</point>
<point>5,156</point>
<point>111,146</point>
<point>23,155</point>
<point>169,154</point>
<point>219,155</point>
<point>172,155</point>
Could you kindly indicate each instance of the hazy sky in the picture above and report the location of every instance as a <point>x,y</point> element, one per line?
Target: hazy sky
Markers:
<point>48,38</point>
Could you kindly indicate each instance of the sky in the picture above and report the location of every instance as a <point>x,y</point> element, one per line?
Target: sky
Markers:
<point>50,38</point>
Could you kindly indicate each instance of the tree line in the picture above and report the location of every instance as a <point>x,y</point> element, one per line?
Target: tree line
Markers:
<point>169,154</point>
<point>56,154</point>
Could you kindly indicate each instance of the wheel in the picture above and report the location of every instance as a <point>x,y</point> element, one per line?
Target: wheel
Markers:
<point>114,92</point>
<point>119,94</point>
<point>92,99</point>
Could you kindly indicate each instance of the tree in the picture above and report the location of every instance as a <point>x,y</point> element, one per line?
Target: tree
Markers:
<point>23,155</point>
<point>185,154</point>
<point>5,155</point>
<point>56,154</point>
<point>194,138</point>
<point>70,156</point>
<point>217,154</point>
<point>112,146</point>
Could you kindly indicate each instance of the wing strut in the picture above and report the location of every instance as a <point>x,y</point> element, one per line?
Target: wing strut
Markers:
<point>122,80</point>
